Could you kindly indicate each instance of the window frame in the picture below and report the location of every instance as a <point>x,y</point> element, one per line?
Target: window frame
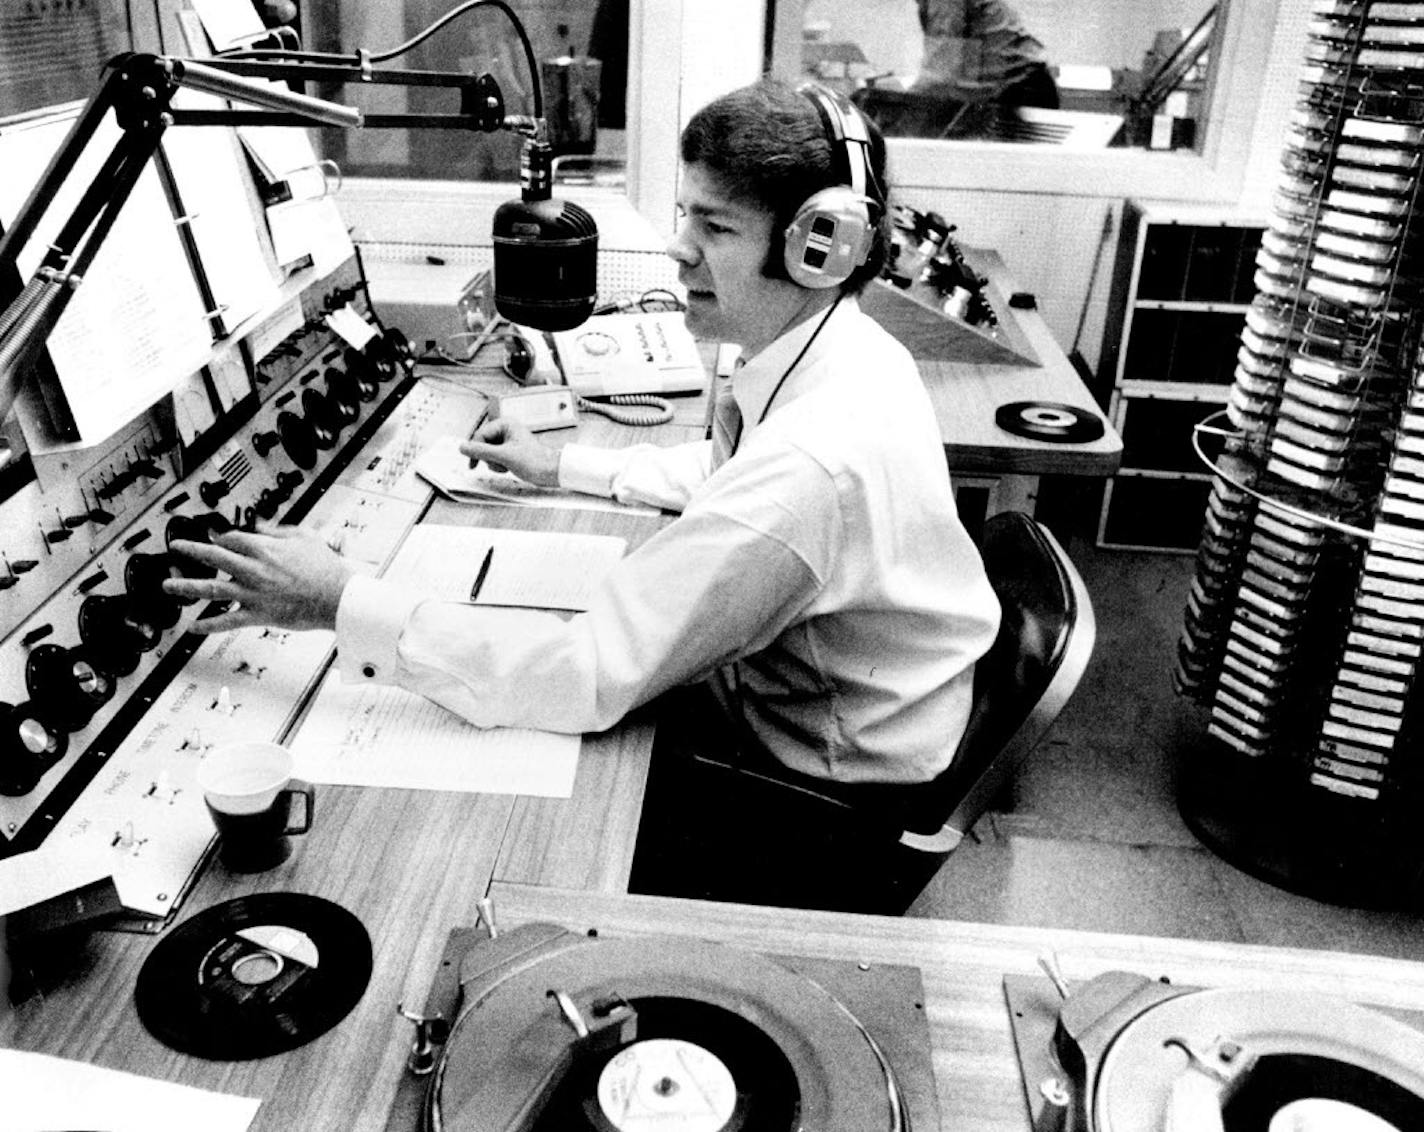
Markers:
<point>1215,173</point>
<point>716,51</point>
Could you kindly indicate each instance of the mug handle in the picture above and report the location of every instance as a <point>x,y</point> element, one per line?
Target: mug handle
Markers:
<point>304,790</point>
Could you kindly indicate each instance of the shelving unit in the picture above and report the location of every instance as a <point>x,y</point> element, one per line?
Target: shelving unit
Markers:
<point>1181,289</point>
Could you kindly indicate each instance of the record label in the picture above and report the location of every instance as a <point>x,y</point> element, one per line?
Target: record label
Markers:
<point>665,1083</point>
<point>254,977</point>
<point>1050,421</point>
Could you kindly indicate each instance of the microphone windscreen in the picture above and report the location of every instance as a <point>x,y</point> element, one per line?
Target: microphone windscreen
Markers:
<point>545,263</point>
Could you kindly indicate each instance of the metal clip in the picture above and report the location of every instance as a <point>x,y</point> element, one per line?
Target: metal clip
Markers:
<point>430,1031</point>
<point>570,1012</point>
<point>486,907</point>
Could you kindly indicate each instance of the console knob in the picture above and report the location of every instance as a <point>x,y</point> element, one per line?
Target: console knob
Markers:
<point>343,396</point>
<point>288,482</point>
<point>29,746</point>
<point>264,442</point>
<point>362,372</point>
<point>68,683</point>
<point>324,422</point>
<point>115,632</point>
<point>144,575</point>
<point>211,491</point>
<point>195,528</point>
<point>298,438</point>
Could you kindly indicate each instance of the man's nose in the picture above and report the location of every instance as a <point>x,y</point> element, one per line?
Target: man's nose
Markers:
<point>681,249</point>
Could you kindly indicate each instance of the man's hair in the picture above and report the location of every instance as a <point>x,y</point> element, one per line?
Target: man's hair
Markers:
<point>766,145</point>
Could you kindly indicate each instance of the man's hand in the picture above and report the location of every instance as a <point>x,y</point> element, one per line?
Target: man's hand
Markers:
<point>509,446</point>
<point>281,576</point>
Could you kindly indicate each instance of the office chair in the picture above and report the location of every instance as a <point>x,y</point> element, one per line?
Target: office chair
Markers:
<point>877,851</point>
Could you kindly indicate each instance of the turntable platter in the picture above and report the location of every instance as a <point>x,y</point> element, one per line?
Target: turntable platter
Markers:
<point>726,1041</point>
<point>1301,1048</point>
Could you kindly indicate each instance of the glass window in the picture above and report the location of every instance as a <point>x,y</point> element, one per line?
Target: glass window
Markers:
<point>1097,74</point>
<point>55,53</point>
<point>584,93</point>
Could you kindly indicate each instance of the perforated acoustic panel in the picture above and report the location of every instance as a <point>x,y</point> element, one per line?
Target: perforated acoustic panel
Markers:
<point>622,273</point>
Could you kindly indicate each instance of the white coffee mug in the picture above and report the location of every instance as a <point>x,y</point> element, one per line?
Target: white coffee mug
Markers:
<point>251,795</point>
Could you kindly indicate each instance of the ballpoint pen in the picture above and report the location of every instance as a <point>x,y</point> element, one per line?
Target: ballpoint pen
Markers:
<point>482,574</point>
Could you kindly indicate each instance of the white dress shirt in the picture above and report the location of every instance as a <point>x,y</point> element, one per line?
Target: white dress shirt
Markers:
<point>821,576</point>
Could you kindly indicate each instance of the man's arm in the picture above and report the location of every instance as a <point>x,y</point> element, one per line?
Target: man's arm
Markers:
<point>642,473</point>
<point>717,584</point>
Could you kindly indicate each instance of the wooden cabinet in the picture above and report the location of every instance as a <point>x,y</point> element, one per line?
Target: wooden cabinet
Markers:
<point>1181,287</point>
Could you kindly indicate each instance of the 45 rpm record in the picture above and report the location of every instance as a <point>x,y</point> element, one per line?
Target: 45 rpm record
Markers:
<point>1049,420</point>
<point>254,977</point>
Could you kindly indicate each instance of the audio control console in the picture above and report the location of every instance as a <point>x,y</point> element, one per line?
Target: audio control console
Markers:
<point>106,699</point>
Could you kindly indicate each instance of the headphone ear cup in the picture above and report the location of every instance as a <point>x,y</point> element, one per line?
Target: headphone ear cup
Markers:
<point>828,238</point>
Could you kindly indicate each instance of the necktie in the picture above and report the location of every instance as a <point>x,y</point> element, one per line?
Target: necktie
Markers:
<point>726,421</point>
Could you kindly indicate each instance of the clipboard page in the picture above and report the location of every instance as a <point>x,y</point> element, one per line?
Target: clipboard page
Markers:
<point>360,735</point>
<point>449,472</point>
<point>213,183</point>
<point>135,328</point>
<point>529,569</point>
<point>43,1092</point>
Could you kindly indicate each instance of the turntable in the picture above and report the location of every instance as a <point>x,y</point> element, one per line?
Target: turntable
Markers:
<point>1124,1053</point>
<point>553,1029</point>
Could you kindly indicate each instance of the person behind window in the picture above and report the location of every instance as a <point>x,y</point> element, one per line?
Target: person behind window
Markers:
<point>817,593</point>
<point>978,62</point>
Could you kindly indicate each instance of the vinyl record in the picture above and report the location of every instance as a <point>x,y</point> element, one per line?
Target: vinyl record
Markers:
<point>254,977</point>
<point>1050,421</point>
<point>677,1033</point>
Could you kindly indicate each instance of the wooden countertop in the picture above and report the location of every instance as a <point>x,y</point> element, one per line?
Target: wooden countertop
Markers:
<point>965,393</point>
<point>963,966</point>
<point>411,865</point>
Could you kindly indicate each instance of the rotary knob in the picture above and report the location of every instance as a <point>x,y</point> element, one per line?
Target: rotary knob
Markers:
<point>264,442</point>
<point>390,351</point>
<point>266,504</point>
<point>363,373</point>
<point>212,491</point>
<point>342,396</point>
<point>194,528</point>
<point>115,632</point>
<point>68,684</point>
<point>298,438</point>
<point>144,575</point>
<point>325,423</point>
<point>29,745</point>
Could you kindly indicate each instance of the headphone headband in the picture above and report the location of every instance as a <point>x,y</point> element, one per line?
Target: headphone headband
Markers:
<point>849,136</point>
<point>833,232</point>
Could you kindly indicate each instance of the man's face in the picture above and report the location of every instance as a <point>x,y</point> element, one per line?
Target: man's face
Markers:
<point>721,246</point>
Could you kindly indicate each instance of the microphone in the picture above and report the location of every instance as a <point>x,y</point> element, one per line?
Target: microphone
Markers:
<point>545,250</point>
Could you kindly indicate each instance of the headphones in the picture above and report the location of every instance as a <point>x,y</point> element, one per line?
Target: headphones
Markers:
<point>833,231</point>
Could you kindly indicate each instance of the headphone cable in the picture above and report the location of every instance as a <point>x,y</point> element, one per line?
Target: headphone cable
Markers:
<point>796,361</point>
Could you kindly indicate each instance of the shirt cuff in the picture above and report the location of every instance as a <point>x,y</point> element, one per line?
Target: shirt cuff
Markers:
<point>589,469</point>
<point>370,618</point>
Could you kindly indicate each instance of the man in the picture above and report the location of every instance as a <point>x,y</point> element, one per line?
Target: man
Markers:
<point>977,64</point>
<point>817,589</point>
<point>980,51</point>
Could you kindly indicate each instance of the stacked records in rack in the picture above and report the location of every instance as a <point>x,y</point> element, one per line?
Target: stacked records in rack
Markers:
<point>1305,621</point>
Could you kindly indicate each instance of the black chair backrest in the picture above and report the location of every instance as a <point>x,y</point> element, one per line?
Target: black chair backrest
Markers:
<point>1040,610</point>
<point>1046,621</point>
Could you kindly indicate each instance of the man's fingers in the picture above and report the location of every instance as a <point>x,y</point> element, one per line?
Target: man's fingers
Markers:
<point>192,589</point>
<point>281,530</point>
<point>210,554</point>
<point>233,619</point>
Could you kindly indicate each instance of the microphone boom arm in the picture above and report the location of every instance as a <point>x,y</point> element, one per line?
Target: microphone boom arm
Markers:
<point>139,88</point>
